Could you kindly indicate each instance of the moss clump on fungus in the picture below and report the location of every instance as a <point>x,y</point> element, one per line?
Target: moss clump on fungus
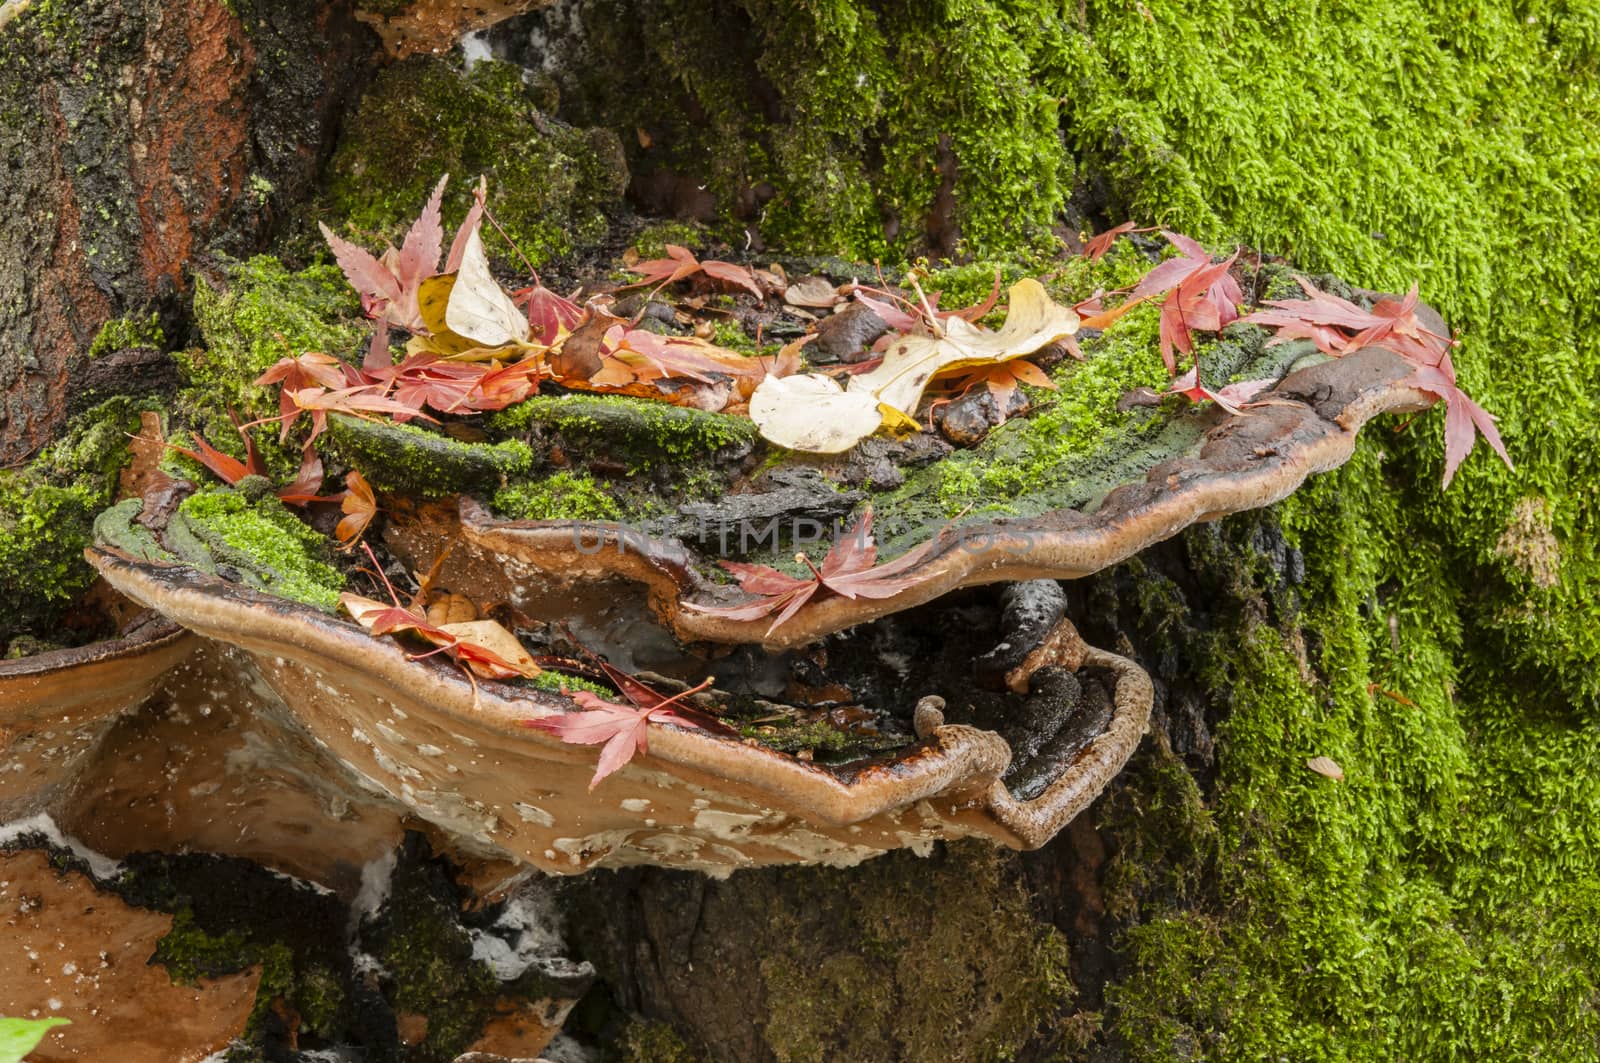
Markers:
<point>549,184</point>
<point>645,432</point>
<point>560,496</point>
<point>270,546</point>
<point>411,460</point>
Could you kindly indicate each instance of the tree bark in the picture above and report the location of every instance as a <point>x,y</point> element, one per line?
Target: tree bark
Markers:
<point>139,136</point>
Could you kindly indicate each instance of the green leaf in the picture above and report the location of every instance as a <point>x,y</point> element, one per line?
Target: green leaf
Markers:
<point>18,1037</point>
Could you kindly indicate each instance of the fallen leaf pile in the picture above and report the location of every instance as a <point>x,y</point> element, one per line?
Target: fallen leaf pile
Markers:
<point>1339,327</point>
<point>815,413</point>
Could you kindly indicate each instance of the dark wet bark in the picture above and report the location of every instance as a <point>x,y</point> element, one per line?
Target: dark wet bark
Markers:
<point>137,136</point>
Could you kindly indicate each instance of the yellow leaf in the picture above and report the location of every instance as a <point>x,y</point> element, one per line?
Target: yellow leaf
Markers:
<point>433,300</point>
<point>1033,321</point>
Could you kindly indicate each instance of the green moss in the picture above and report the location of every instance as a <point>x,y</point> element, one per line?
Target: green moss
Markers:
<point>549,184</point>
<point>834,744</point>
<point>894,977</point>
<point>93,450</point>
<point>43,532</point>
<point>560,496</point>
<point>865,114</point>
<point>731,334</point>
<point>426,957</point>
<point>561,683</point>
<point>271,547</point>
<point>652,240</point>
<point>47,510</point>
<point>651,1042</point>
<point>258,312</point>
<point>121,333</point>
<point>646,432</point>
<point>405,458</point>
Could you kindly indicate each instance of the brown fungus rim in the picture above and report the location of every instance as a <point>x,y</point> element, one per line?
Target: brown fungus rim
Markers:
<point>96,672</point>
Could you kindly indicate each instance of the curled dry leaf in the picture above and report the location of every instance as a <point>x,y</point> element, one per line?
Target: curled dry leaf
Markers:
<point>1095,249</point>
<point>813,417</point>
<point>1326,766</point>
<point>359,506</point>
<point>463,643</point>
<point>812,291</point>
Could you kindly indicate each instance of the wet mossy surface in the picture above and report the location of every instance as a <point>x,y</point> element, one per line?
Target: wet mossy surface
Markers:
<point>877,962</point>
<point>551,184</point>
<point>255,541</point>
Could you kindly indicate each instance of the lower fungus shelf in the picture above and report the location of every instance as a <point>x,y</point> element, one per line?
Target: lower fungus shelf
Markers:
<point>458,756</point>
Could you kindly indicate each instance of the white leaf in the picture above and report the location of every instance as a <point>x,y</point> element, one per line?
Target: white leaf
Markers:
<point>479,308</point>
<point>813,413</point>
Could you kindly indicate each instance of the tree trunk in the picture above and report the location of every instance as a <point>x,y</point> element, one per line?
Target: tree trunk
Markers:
<point>140,136</point>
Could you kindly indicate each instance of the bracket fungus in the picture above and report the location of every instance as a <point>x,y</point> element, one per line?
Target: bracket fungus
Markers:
<point>1011,757</point>
<point>55,707</point>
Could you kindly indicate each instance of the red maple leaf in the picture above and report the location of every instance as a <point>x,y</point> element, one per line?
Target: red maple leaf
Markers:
<point>311,369</point>
<point>624,729</point>
<point>1463,418</point>
<point>1337,326</point>
<point>1204,297</point>
<point>1230,398</point>
<point>230,470</point>
<point>358,401</point>
<point>549,315</point>
<point>847,571</point>
<point>1095,249</point>
<point>388,284</point>
<point>680,264</point>
<point>925,312</point>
